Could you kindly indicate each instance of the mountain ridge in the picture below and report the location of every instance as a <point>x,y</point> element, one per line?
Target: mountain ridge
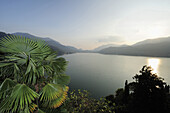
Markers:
<point>151,47</point>
<point>153,41</point>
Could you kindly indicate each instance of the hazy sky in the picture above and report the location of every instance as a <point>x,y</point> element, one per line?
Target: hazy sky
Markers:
<point>87,23</point>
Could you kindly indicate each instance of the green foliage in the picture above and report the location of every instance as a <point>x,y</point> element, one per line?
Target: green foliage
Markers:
<point>53,95</point>
<point>119,96</point>
<point>80,102</point>
<point>20,98</point>
<point>6,87</point>
<point>32,76</point>
<point>63,79</point>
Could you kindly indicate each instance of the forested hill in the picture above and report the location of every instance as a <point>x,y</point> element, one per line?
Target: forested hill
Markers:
<point>152,47</point>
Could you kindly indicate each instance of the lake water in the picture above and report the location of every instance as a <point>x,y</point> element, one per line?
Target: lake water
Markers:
<point>102,74</point>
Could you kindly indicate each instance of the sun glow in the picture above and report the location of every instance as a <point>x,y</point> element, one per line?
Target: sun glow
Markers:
<point>155,31</point>
<point>154,63</point>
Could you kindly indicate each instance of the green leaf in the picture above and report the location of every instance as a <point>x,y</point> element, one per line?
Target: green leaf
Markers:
<point>5,64</point>
<point>28,69</point>
<point>20,97</point>
<point>51,92</point>
<point>32,107</point>
<point>6,87</point>
<point>63,79</point>
<point>40,111</point>
<point>53,95</point>
<point>16,67</point>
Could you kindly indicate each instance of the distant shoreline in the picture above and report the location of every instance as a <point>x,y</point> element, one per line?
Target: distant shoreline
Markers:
<point>122,55</point>
<point>135,55</point>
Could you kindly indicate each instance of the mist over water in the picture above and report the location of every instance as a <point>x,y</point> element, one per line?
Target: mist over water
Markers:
<point>104,74</point>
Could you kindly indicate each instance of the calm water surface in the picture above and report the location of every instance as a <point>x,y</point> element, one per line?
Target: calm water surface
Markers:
<point>103,74</point>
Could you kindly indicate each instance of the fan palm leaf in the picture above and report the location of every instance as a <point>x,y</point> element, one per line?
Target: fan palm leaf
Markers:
<point>21,97</point>
<point>40,111</point>
<point>62,79</point>
<point>59,65</point>
<point>17,44</point>
<point>58,102</point>
<point>53,95</point>
<point>51,92</point>
<point>32,107</point>
<point>6,87</point>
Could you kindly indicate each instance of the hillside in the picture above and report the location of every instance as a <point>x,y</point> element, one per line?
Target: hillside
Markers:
<point>152,47</point>
<point>105,46</point>
<point>153,41</point>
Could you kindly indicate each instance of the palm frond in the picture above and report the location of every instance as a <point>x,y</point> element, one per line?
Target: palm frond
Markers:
<point>6,87</point>
<point>50,92</point>
<point>17,44</point>
<point>3,64</point>
<point>20,99</point>
<point>62,79</point>
<point>59,64</point>
<point>53,95</point>
<point>59,101</point>
<point>40,111</point>
<point>32,107</point>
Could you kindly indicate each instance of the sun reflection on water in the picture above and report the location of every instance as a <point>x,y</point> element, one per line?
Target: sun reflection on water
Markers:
<point>154,63</point>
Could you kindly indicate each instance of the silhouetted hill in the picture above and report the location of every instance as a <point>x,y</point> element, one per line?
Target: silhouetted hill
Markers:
<point>153,41</point>
<point>105,46</point>
<point>152,47</point>
<point>2,34</point>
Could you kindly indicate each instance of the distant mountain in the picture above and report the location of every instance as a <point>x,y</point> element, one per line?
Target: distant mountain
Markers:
<point>124,45</point>
<point>153,41</point>
<point>2,34</point>
<point>105,46</point>
<point>60,48</point>
<point>159,47</point>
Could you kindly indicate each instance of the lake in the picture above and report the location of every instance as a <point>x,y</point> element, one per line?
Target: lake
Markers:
<point>102,74</point>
